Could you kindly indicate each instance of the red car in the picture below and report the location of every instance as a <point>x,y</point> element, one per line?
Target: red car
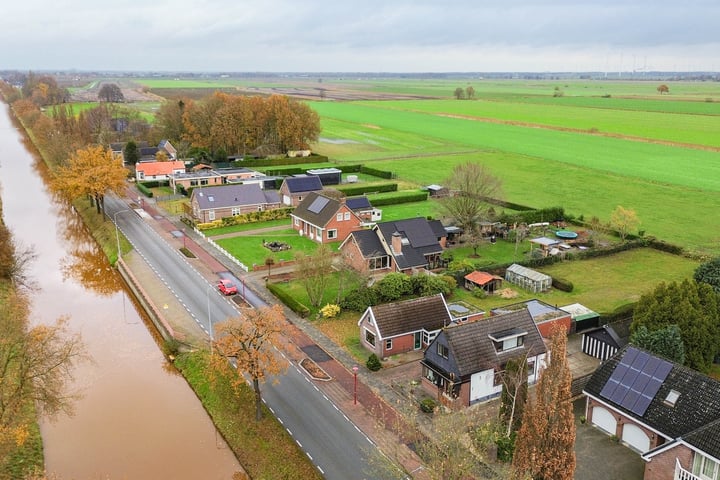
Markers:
<point>226,287</point>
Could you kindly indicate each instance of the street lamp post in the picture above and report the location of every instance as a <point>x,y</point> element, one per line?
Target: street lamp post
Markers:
<point>210,325</point>
<point>355,370</point>
<point>117,235</point>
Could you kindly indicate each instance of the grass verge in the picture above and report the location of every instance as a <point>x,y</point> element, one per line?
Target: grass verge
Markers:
<point>263,448</point>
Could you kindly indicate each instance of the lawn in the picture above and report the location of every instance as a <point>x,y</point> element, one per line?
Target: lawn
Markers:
<point>249,248</point>
<point>245,227</point>
<point>263,448</point>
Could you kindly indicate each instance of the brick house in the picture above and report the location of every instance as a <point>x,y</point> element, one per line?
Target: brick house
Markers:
<point>324,219</point>
<point>400,327</point>
<point>294,189</point>
<point>667,412</point>
<point>399,246</point>
<point>465,362</point>
<point>214,203</point>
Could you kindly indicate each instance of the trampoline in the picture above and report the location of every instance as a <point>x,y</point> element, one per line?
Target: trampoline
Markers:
<point>566,234</point>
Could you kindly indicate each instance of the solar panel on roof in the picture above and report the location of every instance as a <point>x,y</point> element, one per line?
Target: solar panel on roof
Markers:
<point>636,380</point>
<point>318,204</point>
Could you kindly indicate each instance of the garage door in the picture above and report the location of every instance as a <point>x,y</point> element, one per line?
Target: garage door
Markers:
<point>635,438</point>
<point>602,418</point>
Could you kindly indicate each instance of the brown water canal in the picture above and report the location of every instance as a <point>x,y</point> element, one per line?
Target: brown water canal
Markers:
<point>137,419</point>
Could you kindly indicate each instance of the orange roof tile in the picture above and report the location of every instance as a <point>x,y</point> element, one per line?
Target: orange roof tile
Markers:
<point>481,278</point>
<point>159,168</point>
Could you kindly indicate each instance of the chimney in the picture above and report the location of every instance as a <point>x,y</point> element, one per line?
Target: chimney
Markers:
<point>397,243</point>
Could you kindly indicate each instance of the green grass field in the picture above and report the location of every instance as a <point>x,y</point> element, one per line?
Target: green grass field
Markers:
<point>674,190</point>
<point>250,250</point>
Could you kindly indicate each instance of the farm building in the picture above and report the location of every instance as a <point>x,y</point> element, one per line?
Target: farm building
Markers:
<point>328,176</point>
<point>528,278</point>
<point>602,342</point>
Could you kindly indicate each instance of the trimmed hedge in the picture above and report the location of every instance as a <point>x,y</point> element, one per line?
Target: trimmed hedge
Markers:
<point>401,198</point>
<point>562,284</point>
<point>533,216</point>
<point>144,190</point>
<point>353,190</point>
<point>288,300</point>
<point>271,162</point>
<point>376,172</point>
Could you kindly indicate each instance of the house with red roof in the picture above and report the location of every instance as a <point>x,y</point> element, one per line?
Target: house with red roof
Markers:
<point>159,171</point>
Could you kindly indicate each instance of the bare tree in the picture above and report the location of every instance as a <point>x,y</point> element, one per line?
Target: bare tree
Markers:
<point>315,271</point>
<point>471,185</point>
<point>110,92</point>
<point>624,220</point>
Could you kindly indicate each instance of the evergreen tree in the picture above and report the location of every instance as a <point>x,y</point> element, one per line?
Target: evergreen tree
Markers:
<point>709,272</point>
<point>693,307</point>
<point>666,342</point>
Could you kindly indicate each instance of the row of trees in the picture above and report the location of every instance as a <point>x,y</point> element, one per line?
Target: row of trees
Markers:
<point>237,125</point>
<point>464,93</point>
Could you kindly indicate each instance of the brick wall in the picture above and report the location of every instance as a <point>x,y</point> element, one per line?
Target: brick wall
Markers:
<point>662,465</point>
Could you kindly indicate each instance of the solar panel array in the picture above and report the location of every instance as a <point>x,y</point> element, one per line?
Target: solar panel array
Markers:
<point>318,204</point>
<point>636,380</point>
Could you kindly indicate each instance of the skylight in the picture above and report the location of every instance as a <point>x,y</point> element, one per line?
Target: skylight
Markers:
<point>672,397</point>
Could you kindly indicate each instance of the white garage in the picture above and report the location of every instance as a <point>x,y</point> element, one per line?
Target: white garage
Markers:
<point>635,437</point>
<point>602,418</point>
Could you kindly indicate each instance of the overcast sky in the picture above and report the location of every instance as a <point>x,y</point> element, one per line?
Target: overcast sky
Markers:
<point>360,36</point>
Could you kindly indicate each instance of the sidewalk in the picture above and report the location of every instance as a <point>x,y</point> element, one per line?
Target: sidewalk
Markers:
<point>370,406</point>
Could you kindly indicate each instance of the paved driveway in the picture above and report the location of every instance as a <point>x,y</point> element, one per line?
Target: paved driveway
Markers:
<point>601,458</point>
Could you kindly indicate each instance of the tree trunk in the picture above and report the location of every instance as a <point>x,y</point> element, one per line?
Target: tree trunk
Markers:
<point>258,400</point>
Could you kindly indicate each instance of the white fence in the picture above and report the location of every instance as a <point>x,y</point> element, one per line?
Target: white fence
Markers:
<point>682,474</point>
<point>223,251</point>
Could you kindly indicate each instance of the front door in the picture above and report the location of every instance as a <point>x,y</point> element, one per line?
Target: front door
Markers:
<point>418,340</point>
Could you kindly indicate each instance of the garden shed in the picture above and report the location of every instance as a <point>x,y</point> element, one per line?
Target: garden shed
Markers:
<point>528,278</point>
<point>602,342</point>
<point>328,176</point>
<point>483,280</point>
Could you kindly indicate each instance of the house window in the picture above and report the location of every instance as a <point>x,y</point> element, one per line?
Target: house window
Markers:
<point>428,337</point>
<point>332,234</point>
<point>211,215</point>
<point>672,398</point>
<point>378,263</point>
<point>705,468</point>
<point>370,337</point>
<point>318,232</point>
<point>204,181</point>
<point>442,350</point>
<point>531,367</point>
<point>508,339</point>
<point>388,344</point>
<point>193,183</point>
<point>236,211</point>
<point>338,217</point>
<point>141,175</point>
<point>347,215</point>
<point>297,222</point>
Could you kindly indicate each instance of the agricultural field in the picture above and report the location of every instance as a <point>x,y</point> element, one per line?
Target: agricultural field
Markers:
<point>673,189</point>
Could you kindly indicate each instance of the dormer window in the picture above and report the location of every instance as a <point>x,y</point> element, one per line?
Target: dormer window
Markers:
<point>442,350</point>
<point>508,339</point>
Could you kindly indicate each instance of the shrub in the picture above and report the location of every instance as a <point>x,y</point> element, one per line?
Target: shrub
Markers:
<point>353,190</point>
<point>428,405</point>
<point>359,299</point>
<point>330,310</point>
<point>401,197</point>
<point>373,363</point>
<point>394,286</point>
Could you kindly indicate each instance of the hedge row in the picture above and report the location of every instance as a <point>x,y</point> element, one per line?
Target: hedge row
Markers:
<point>376,172</point>
<point>353,190</point>
<point>144,190</point>
<point>533,216</point>
<point>401,198</point>
<point>271,162</point>
<point>288,300</point>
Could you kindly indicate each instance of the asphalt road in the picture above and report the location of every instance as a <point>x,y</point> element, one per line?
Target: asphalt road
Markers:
<point>334,444</point>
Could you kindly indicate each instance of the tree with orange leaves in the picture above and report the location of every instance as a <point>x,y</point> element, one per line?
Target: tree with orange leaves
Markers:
<point>92,171</point>
<point>545,445</point>
<point>250,340</point>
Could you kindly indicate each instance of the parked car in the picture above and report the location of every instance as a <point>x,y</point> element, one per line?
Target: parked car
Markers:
<point>227,287</point>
